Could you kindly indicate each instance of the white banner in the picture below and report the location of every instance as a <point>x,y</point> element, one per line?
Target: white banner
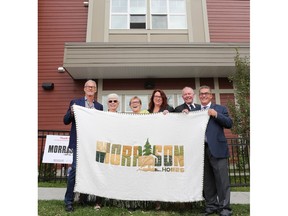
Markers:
<point>140,157</point>
<point>56,150</point>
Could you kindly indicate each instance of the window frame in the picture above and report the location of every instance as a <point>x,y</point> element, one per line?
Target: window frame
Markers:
<point>148,25</point>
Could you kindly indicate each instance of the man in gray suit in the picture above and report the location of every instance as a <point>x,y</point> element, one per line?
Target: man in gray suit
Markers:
<point>216,179</point>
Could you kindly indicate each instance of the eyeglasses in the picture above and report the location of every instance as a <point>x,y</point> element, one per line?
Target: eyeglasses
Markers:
<point>155,96</point>
<point>90,87</point>
<point>135,102</point>
<point>114,101</point>
<point>204,93</point>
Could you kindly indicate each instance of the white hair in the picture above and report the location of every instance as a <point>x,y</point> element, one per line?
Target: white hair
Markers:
<point>91,81</point>
<point>113,95</point>
<point>186,87</point>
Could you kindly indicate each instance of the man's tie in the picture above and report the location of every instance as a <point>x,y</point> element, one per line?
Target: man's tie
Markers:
<point>191,107</point>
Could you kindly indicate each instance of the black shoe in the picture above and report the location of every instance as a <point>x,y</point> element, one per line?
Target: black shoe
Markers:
<point>69,208</point>
<point>210,211</point>
<point>225,213</point>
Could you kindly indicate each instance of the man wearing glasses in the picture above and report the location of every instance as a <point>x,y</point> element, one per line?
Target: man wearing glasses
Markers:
<point>88,101</point>
<point>216,179</point>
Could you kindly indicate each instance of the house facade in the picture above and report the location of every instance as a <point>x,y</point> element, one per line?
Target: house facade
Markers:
<point>131,47</point>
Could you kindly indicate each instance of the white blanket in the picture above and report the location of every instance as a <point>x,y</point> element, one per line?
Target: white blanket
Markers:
<point>140,157</point>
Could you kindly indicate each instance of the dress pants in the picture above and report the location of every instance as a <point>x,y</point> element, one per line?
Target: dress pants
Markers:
<point>216,184</point>
<point>69,195</point>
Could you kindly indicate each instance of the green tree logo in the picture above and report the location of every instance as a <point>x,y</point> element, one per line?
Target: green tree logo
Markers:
<point>147,148</point>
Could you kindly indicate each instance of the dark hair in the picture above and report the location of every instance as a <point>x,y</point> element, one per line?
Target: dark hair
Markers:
<point>164,100</point>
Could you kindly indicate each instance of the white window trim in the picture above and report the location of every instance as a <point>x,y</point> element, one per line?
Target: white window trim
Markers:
<point>177,94</point>
<point>148,16</point>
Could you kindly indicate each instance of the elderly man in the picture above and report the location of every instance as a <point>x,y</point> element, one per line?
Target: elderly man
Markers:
<point>188,105</point>
<point>216,179</point>
<point>88,101</point>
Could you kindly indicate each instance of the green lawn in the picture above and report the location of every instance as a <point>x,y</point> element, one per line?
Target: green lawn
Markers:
<point>64,184</point>
<point>52,184</point>
<point>56,208</point>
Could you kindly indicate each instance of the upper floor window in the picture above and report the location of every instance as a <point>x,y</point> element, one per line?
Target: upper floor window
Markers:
<point>148,14</point>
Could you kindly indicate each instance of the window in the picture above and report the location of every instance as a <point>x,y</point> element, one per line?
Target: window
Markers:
<point>145,98</point>
<point>128,14</point>
<point>137,22</point>
<point>132,14</point>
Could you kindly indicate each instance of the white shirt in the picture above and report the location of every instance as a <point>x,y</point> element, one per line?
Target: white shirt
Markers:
<point>207,106</point>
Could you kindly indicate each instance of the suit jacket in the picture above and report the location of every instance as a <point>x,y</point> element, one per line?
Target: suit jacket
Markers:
<point>68,118</point>
<point>183,106</point>
<point>216,139</point>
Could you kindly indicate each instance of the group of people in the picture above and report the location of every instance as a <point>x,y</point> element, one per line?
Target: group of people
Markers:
<point>216,190</point>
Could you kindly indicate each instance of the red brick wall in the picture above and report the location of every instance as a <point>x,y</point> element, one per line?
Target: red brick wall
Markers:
<point>58,22</point>
<point>229,20</point>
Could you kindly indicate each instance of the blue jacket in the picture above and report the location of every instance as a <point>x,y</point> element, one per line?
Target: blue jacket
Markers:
<point>68,118</point>
<point>216,139</point>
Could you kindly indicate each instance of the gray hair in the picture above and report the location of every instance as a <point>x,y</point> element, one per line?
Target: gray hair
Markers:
<point>113,95</point>
<point>92,82</point>
<point>186,87</point>
<point>205,87</point>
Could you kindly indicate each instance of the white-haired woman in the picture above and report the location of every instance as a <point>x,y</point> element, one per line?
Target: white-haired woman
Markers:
<point>113,102</point>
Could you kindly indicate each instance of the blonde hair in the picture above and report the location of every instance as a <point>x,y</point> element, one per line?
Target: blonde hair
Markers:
<point>133,98</point>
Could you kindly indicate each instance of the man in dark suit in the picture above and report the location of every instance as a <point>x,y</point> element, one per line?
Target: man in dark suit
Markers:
<point>188,105</point>
<point>216,179</point>
<point>90,88</point>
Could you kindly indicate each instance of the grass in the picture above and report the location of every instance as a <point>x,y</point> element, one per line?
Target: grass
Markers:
<point>53,184</point>
<point>64,184</point>
<point>56,208</point>
<point>240,189</point>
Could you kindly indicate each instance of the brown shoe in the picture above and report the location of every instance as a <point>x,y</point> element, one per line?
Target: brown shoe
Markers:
<point>158,206</point>
<point>97,207</point>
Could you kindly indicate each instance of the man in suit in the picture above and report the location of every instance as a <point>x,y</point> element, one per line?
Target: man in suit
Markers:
<point>216,179</point>
<point>90,88</point>
<point>188,105</point>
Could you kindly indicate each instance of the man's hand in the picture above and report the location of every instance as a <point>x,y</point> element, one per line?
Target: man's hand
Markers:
<point>212,112</point>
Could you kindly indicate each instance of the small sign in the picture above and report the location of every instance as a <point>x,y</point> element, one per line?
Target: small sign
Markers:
<point>56,150</point>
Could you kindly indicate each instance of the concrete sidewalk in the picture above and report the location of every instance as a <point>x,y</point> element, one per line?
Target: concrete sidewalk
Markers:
<point>58,194</point>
